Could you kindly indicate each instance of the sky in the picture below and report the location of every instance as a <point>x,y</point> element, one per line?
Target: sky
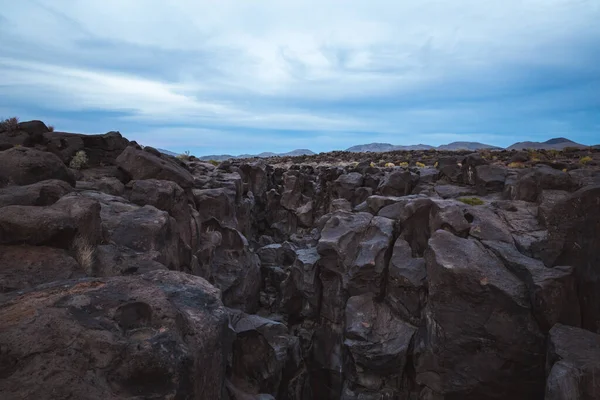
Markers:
<point>238,76</point>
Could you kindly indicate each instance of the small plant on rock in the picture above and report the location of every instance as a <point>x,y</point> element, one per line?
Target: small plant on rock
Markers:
<point>472,201</point>
<point>84,254</point>
<point>516,165</point>
<point>9,124</point>
<point>403,164</point>
<point>185,156</point>
<point>213,162</point>
<point>51,128</point>
<point>390,165</point>
<point>79,160</point>
<point>585,160</point>
<point>420,164</point>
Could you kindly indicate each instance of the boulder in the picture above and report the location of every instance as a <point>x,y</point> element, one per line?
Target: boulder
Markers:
<point>380,343</point>
<point>216,203</point>
<point>489,178</point>
<point>26,266</point>
<point>301,290</point>
<point>57,225</point>
<point>264,355</point>
<point>398,183</point>
<point>109,185</point>
<point>354,246</point>
<point>572,364</point>
<point>530,185</point>
<point>346,185</point>
<point>143,165</point>
<point>24,166</point>
<point>149,336</point>
<point>454,191</point>
<point>406,290</point>
<point>480,330</point>
<point>574,239</point>
<point>42,193</point>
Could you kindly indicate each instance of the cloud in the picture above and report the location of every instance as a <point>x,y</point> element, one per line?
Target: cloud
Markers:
<point>292,73</point>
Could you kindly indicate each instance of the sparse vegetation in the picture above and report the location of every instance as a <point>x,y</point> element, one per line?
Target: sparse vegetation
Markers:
<point>390,165</point>
<point>9,124</point>
<point>403,164</point>
<point>213,162</point>
<point>79,160</point>
<point>436,164</point>
<point>184,156</point>
<point>84,253</point>
<point>51,128</point>
<point>585,160</point>
<point>420,164</point>
<point>516,164</point>
<point>472,201</point>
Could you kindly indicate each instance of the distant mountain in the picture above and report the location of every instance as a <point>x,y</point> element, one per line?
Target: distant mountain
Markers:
<point>381,147</point>
<point>467,146</point>
<point>552,144</point>
<point>293,153</point>
<point>167,152</point>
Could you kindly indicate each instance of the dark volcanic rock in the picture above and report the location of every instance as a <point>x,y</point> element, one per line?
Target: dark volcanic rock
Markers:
<point>574,239</point>
<point>143,165</point>
<point>354,246</point>
<point>530,186</point>
<point>398,183</point>
<point>42,193</point>
<point>26,266</point>
<point>24,166</point>
<point>572,364</point>
<point>480,331</point>
<point>150,337</point>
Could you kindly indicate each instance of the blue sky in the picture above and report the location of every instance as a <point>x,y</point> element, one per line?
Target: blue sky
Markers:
<point>250,76</point>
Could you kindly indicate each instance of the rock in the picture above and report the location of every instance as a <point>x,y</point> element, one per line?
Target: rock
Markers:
<point>574,239</point>
<point>143,165</point>
<point>151,231</point>
<point>487,225</point>
<point>530,186</point>
<point>234,268</point>
<point>449,215</point>
<point>379,341</point>
<point>398,183</point>
<point>301,290</point>
<point>573,364</point>
<point>42,193</point>
<point>480,331</point>
<point>24,166</point>
<point>449,169</point>
<point>340,205</point>
<point>264,355</point>
<point>57,225</point>
<point>547,200</point>
<point>216,203</point>
<point>490,178</point>
<point>354,246</point>
<point>148,336</point>
<point>109,185</point>
<point>115,260</point>
<point>346,185</point>
<point>522,220</point>
<point>469,167</point>
<point>25,266</point>
<point>552,291</point>
<point>376,202</point>
<point>406,290</point>
<point>454,191</point>
<point>34,127</point>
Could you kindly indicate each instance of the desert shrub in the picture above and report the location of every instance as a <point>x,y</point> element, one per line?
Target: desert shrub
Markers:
<point>79,160</point>
<point>372,164</point>
<point>213,162</point>
<point>516,165</point>
<point>585,160</point>
<point>84,253</point>
<point>51,128</point>
<point>553,153</point>
<point>390,165</point>
<point>436,164</point>
<point>403,164</point>
<point>9,124</point>
<point>420,164</point>
<point>184,156</point>
<point>472,201</point>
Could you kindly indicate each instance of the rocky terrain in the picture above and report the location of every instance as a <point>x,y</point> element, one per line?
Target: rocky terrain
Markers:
<point>424,275</point>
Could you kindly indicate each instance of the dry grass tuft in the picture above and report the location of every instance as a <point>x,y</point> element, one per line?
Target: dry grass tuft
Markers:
<point>79,160</point>
<point>84,254</point>
<point>9,124</point>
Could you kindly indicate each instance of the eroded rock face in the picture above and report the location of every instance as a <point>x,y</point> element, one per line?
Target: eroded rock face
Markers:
<point>572,364</point>
<point>24,166</point>
<point>150,336</point>
<point>477,319</point>
<point>343,281</point>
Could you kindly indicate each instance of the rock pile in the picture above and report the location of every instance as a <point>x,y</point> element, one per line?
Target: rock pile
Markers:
<point>145,276</point>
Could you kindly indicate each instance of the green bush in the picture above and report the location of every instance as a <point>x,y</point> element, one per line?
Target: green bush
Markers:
<point>472,201</point>
<point>79,160</point>
<point>213,162</point>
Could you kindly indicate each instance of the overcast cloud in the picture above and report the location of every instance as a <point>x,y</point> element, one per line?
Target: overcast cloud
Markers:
<point>251,76</point>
